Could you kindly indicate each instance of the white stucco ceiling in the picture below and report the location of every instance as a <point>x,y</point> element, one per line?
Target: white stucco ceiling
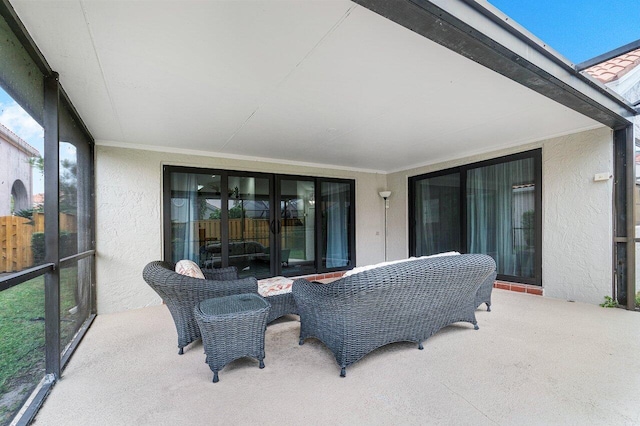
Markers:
<point>311,81</point>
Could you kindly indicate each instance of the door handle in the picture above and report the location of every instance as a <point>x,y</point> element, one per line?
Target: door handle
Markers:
<point>272,226</point>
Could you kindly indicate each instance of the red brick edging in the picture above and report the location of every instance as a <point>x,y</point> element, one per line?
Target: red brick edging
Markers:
<point>520,288</point>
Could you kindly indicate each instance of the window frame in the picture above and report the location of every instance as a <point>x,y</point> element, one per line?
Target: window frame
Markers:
<point>536,155</point>
<point>54,100</point>
<point>275,179</point>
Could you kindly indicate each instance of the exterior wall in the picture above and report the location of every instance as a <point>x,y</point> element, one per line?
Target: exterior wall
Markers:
<point>129,216</point>
<point>15,167</point>
<point>577,215</point>
<point>577,248</point>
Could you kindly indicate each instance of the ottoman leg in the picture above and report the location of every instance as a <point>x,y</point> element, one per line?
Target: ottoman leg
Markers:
<point>215,377</point>
<point>261,363</point>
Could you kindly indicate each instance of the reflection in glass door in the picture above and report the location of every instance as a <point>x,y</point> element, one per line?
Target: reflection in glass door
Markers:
<point>501,215</point>
<point>337,223</point>
<point>492,207</point>
<point>263,224</point>
<point>249,225</point>
<point>437,214</point>
<point>195,219</point>
<point>297,226</point>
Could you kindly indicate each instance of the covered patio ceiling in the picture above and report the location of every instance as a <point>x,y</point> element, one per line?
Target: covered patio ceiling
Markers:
<point>315,81</point>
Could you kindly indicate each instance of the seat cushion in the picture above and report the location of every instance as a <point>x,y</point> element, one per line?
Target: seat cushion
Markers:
<point>273,286</point>
<point>189,268</point>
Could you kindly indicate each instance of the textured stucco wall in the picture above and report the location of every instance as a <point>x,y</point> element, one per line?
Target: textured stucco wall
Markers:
<point>129,216</point>
<point>577,213</point>
<point>577,225</point>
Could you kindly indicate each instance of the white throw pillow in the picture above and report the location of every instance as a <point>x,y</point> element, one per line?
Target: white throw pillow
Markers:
<point>189,268</point>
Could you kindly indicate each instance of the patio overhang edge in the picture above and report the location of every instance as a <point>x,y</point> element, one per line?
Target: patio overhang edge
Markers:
<point>477,32</point>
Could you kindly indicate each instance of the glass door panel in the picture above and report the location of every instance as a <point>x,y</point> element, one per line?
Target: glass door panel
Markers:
<point>437,214</point>
<point>501,215</point>
<point>336,224</point>
<point>263,224</point>
<point>250,225</point>
<point>296,233</point>
<point>195,218</point>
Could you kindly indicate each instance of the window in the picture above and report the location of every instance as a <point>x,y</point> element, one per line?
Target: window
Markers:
<point>263,224</point>
<point>75,206</point>
<point>493,207</point>
<point>46,225</point>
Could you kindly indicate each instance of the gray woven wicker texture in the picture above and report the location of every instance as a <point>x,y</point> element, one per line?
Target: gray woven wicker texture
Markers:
<point>181,293</point>
<point>408,301</point>
<point>232,327</point>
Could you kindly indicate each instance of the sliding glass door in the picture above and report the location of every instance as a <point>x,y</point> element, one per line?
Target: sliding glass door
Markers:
<point>336,224</point>
<point>493,207</point>
<point>500,215</point>
<point>248,224</point>
<point>263,224</point>
<point>437,214</point>
<point>195,208</point>
<point>219,220</point>
<point>297,227</point>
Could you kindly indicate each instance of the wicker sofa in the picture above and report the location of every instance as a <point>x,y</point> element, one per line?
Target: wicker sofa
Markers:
<point>407,301</point>
<point>181,293</point>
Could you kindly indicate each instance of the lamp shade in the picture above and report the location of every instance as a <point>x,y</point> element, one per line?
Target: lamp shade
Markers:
<point>385,194</point>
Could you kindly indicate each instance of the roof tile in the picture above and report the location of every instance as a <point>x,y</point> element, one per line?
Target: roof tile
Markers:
<point>615,68</point>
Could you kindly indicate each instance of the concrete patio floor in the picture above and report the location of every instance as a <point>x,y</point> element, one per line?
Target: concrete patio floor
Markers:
<point>534,361</point>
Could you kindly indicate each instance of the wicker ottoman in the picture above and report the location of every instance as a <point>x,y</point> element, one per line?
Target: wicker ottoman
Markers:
<point>232,327</point>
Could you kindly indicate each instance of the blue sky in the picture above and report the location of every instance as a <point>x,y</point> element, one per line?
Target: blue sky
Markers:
<point>577,29</point>
<point>19,122</point>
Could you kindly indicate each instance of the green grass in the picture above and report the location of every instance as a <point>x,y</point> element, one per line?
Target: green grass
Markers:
<point>22,338</point>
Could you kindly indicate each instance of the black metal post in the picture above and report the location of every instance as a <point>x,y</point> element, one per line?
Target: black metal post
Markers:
<point>624,220</point>
<point>51,223</point>
<point>631,218</point>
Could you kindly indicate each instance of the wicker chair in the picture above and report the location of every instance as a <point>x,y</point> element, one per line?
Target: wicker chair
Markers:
<point>407,301</point>
<point>181,293</point>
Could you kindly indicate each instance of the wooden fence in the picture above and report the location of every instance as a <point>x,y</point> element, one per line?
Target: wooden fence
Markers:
<point>15,239</point>
<point>15,243</point>
<point>247,229</point>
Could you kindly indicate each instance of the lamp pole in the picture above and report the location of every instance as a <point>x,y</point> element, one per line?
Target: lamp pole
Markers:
<point>385,196</point>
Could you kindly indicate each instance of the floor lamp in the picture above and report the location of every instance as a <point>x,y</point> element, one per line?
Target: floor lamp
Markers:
<point>385,195</point>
